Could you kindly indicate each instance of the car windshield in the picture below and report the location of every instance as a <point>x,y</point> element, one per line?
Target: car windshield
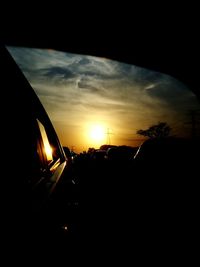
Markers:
<point>95,101</point>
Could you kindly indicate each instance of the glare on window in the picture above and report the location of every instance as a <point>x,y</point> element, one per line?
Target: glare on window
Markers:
<point>47,147</point>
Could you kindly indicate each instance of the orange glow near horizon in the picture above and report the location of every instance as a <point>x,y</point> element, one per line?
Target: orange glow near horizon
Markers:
<point>94,134</point>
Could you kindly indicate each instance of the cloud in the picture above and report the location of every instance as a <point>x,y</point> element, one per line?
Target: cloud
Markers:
<point>150,86</point>
<point>58,72</point>
<point>78,88</point>
<point>106,106</point>
<point>85,83</point>
<point>84,61</point>
<point>172,93</point>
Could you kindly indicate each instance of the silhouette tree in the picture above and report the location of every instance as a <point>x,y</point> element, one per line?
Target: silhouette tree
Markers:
<point>160,130</point>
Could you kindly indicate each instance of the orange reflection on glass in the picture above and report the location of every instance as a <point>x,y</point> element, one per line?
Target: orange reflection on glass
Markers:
<point>48,151</point>
<point>47,147</point>
<point>55,165</point>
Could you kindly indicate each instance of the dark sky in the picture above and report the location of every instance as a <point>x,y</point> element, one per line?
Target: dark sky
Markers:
<point>82,93</point>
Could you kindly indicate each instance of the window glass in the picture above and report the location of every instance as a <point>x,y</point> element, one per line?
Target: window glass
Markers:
<point>95,101</point>
<point>47,147</point>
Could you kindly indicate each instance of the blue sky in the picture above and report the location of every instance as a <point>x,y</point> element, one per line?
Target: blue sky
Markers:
<point>79,90</point>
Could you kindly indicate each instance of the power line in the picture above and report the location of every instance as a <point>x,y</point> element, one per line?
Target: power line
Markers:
<point>108,133</point>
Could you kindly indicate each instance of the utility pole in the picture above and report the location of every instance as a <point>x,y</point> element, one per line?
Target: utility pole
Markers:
<point>108,133</point>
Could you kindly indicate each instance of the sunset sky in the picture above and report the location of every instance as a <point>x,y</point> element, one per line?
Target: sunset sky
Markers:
<point>86,97</point>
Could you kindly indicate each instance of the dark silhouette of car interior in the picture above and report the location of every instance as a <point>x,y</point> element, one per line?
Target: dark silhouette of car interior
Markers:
<point>153,212</point>
<point>34,134</point>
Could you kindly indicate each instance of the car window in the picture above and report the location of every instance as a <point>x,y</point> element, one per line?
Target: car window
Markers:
<point>47,153</point>
<point>124,129</point>
<point>45,143</point>
<point>96,101</point>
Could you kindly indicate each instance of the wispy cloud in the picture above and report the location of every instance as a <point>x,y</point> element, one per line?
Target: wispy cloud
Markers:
<point>76,88</point>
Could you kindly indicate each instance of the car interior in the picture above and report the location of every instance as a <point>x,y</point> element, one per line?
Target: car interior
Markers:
<point>50,207</point>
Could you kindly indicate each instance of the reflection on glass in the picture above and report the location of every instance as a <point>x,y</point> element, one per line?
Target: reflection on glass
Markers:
<point>47,147</point>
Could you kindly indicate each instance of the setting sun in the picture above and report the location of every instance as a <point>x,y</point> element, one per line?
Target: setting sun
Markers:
<point>97,133</point>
